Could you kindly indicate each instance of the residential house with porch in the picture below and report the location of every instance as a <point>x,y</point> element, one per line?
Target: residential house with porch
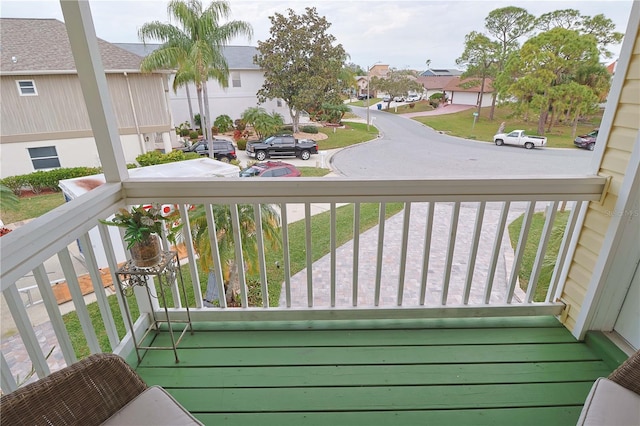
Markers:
<point>44,122</point>
<point>390,359</point>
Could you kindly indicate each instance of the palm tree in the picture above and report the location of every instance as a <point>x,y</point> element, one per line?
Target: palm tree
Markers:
<point>193,47</point>
<point>226,247</point>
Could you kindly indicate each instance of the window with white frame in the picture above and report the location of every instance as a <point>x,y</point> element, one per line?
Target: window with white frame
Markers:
<point>27,87</point>
<point>235,79</point>
<point>44,157</point>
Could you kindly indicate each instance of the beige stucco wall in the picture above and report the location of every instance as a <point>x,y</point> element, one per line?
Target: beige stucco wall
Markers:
<point>620,143</point>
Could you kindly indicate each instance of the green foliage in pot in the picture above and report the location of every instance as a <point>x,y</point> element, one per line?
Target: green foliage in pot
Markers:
<point>139,223</point>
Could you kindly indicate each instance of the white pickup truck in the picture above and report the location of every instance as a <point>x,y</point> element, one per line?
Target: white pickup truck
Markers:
<point>517,137</point>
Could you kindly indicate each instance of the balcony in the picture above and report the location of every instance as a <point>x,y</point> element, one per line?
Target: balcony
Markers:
<point>419,319</point>
<point>442,255</point>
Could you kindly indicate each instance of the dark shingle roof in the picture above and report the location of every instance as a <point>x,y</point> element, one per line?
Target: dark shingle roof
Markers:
<point>238,57</point>
<point>43,45</point>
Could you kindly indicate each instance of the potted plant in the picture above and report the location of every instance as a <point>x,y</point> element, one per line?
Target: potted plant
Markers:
<point>142,225</point>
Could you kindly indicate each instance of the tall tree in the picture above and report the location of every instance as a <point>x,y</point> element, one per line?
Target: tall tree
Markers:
<point>193,47</point>
<point>507,25</point>
<point>548,60</point>
<point>599,26</point>
<point>480,56</point>
<point>226,243</point>
<point>396,83</point>
<point>301,64</point>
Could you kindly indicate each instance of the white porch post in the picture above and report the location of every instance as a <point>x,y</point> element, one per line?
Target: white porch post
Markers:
<point>84,45</point>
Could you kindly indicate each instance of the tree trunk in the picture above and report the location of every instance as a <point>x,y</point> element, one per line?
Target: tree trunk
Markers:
<point>193,124</point>
<point>553,116</point>
<point>208,113</point>
<point>574,128</point>
<point>544,113</point>
<point>481,96</point>
<point>233,289</point>
<point>493,105</point>
<point>295,119</point>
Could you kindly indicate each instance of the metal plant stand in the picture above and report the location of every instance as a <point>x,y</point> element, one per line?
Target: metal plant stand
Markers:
<point>167,271</point>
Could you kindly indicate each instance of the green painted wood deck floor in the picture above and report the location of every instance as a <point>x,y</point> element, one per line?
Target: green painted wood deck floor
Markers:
<point>506,371</point>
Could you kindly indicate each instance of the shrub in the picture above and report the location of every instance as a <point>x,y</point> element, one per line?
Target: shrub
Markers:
<point>309,129</point>
<point>184,132</point>
<point>240,124</point>
<point>46,179</point>
<point>156,157</point>
<point>223,123</point>
<point>412,105</point>
<point>436,96</point>
<point>215,130</point>
<point>193,135</point>
<point>242,144</point>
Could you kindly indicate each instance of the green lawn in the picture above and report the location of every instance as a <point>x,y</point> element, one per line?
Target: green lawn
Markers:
<point>363,103</point>
<point>353,133</point>
<point>31,207</point>
<point>403,109</point>
<point>461,123</point>
<point>531,248</point>
<point>275,276</point>
<point>313,171</point>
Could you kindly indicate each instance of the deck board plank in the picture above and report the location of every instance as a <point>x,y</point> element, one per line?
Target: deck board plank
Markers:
<point>313,338</point>
<point>382,398</point>
<point>368,355</point>
<point>548,416</point>
<point>486,371</point>
<point>366,375</point>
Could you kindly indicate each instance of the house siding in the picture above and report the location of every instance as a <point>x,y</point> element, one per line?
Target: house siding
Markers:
<point>58,117</point>
<point>615,159</point>
<point>59,106</point>
<point>231,101</point>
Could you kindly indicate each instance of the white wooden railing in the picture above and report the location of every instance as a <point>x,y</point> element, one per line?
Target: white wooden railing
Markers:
<point>446,253</point>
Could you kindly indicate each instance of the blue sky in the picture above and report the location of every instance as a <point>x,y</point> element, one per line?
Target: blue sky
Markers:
<point>403,34</point>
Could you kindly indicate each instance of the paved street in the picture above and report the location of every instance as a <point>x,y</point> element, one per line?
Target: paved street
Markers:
<point>407,148</point>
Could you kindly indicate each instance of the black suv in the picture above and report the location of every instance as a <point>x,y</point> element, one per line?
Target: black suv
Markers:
<point>223,150</point>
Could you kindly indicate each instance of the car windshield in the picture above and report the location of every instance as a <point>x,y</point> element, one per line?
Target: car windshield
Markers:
<point>250,172</point>
<point>269,139</point>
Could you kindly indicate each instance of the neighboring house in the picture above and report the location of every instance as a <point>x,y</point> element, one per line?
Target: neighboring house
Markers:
<point>434,84</point>
<point>465,92</point>
<point>377,70</point>
<point>245,79</point>
<point>446,72</point>
<point>43,118</point>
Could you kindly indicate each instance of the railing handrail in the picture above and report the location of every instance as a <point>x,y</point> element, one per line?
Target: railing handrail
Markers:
<point>334,189</point>
<point>30,245</point>
<point>47,235</point>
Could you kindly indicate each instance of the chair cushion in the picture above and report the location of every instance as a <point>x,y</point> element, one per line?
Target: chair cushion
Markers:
<point>154,407</point>
<point>610,404</point>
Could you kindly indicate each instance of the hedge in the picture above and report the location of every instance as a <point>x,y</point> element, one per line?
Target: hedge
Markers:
<point>156,157</point>
<point>46,179</point>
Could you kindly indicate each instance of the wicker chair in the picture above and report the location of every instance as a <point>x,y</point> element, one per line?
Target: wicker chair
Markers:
<point>616,399</point>
<point>100,388</point>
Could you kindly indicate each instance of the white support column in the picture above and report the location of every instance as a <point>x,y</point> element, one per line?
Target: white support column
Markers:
<point>166,142</point>
<point>84,45</point>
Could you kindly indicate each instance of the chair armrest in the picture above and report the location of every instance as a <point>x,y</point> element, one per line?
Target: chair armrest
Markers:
<point>87,392</point>
<point>628,373</point>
